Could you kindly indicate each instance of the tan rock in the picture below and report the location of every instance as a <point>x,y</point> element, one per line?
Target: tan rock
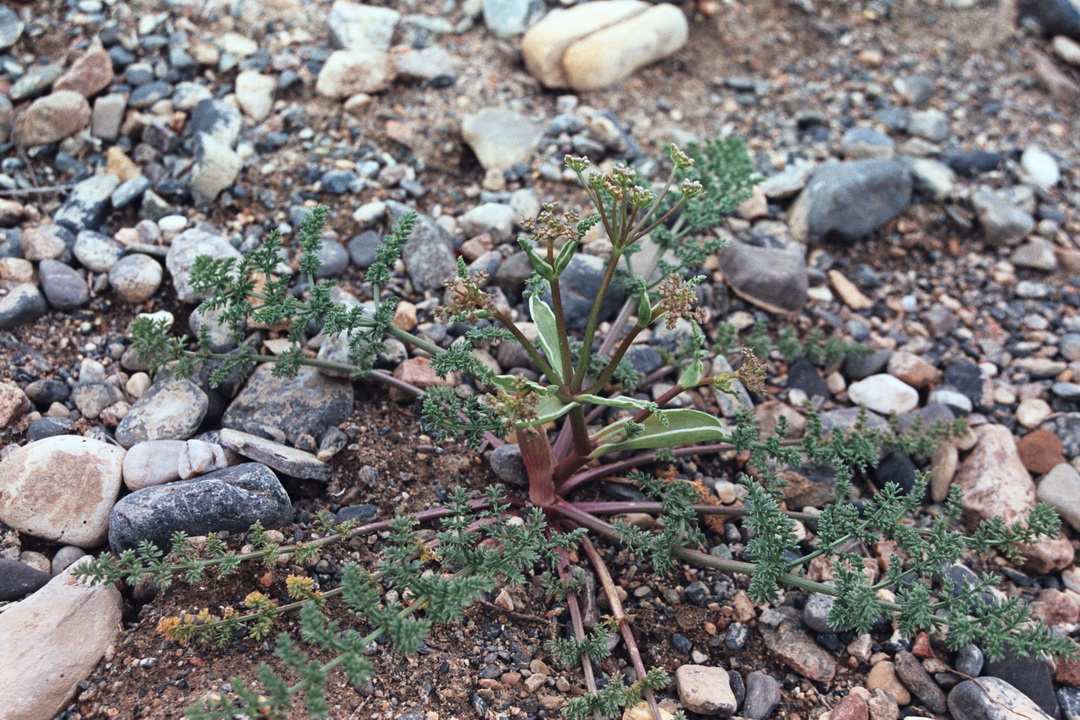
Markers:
<point>912,369</point>
<point>348,72</point>
<point>61,489</point>
<point>705,690</point>
<point>255,94</point>
<point>53,118</point>
<point>89,75</point>
<point>545,43</point>
<point>1041,451</point>
<point>883,676</point>
<point>119,164</point>
<point>847,291</point>
<point>13,403</point>
<point>945,462</point>
<point>51,641</point>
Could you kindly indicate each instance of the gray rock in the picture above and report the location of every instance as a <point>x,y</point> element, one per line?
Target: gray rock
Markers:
<point>932,125</point>
<point>129,191</point>
<point>17,580</point>
<point>506,462</point>
<point>187,246</point>
<point>1069,699</point>
<point>87,203</point>
<point>334,258</point>
<point>816,612</point>
<point>500,138</point>
<point>152,463</point>
<point>65,557</point>
<point>990,698</point>
<point>48,427</point>
<point>136,278</point>
<point>1038,254</point>
<point>866,142</point>
<point>581,284</point>
<point>97,252</point>
<point>512,273</point>
<point>762,696</point>
<point>361,27</point>
<point>426,64</point>
<point>507,18</point>
<point>219,333</point>
<point>35,81</point>
<point>91,398</point>
<point>279,408</point>
<point>1002,222</point>
<point>934,179</point>
<point>64,287</point>
<point>217,119</point>
<point>170,410</point>
<point>11,27</point>
<point>914,89</point>
<point>859,367</point>
<point>427,254</point>
<point>23,304</point>
<point>850,200</point>
<point>284,459</point>
<point>788,181</point>
<point>918,681</point>
<point>363,247</point>
<point>773,279</point>
<point>969,660</point>
<point>705,690</point>
<point>146,95</point>
<point>1056,17</point>
<point>230,500</point>
<point>1061,488</point>
<point>494,218</point>
<point>216,168</point>
<point>108,116</point>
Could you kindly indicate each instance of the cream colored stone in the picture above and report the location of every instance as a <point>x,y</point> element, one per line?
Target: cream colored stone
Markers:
<point>51,641</point>
<point>346,73</point>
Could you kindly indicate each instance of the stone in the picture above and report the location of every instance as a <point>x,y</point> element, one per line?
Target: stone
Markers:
<point>509,18</point>
<point>969,660</point>
<point>107,116</point>
<point>932,125</point>
<point>762,696</point>
<point>61,489</point>
<point>349,72</point>
<point>91,398</point>
<point>1056,17</point>
<point>35,81</point>
<point>52,118</point>
<point>87,204</point>
<point>231,500</point>
<point>850,200</point>
<point>506,462</point>
<point>772,279</point>
<point>788,182</point>
<point>883,676</point>
<point>932,178</point>
<point>284,459</point>
<point>1037,254</point>
<point>594,47</point>
<point>1030,675</point>
<point>65,557</point>
<point>1060,487</point>
<point>216,168</point>
<point>52,641</point>
<point>705,690</point>
<point>884,394</point>
<point>816,612</point>
<point>848,292</point>
<point>23,304</point>
<point>152,463</point>
<point>918,681</point>
<point>255,94</point>
<point>850,707</point>
<point>1031,412</point>
<point>860,143</point>
<point>88,75</point>
<point>428,257</point>
<point>798,651</point>
<point>199,457</point>
<point>1067,49</point>
<point>496,218</point>
<point>97,252</point>
<point>997,485</point>
<point>1041,167</point>
<point>860,367</point>
<point>187,246</point>
<point>218,119</point>
<point>945,462</point>
<point>17,580</point>
<point>64,287</point>
<point>911,369</point>
<point>11,27</point>
<point>44,242</point>
<point>278,408</point>
<point>914,89</point>
<point>13,403</point>
<point>172,409</point>
<point>580,284</point>
<point>146,95</point>
<point>135,278</point>
<point>1003,223</point>
<point>354,26</point>
<point>501,138</point>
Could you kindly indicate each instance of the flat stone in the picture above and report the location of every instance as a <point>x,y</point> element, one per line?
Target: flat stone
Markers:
<point>97,252</point>
<point>108,116</point>
<point>884,394</point>
<point>705,690</point>
<point>87,204</point>
<point>52,640</point>
<point>918,681</point>
<point>136,277</point>
<point>798,651</point>
<point>850,200</point>
<point>230,500</point>
<point>217,118</point>
<point>427,254</point>
<point>762,696</point>
<point>64,287</point>
<point>53,118</point>
<point>350,72</point>
<point>17,580</point>
<point>187,246</point>
<point>23,304</point>
<point>860,143</point>
<point>88,75</point>
<point>1003,223</point>
<point>170,410</point>
<point>255,94</point>
<point>1060,487</point>
<point>277,408</point>
<point>354,26</point>
<point>216,168</point>
<point>883,677</point>
<point>11,27</point>
<point>61,489</point>
<point>1029,675</point>
<point>772,279</point>
<point>500,137</point>
<point>284,459</point>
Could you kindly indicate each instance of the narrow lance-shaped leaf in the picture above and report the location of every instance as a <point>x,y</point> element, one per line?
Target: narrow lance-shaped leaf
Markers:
<point>548,334</point>
<point>680,427</point>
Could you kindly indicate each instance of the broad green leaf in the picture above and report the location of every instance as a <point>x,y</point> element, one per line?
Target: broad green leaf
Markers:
<point>684,427</point>
<point>549,409</point>
<point>622,401</point>
<point>548,331</point>
<point>541,266</point>
<point>565,256</point>
<point>511,383</point>
<point>692,375</point>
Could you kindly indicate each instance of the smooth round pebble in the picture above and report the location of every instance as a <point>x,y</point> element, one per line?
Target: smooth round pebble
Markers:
<point>884,394</point>
<point>97,252</point>
<point>172,223</point>
<point>136,278</point>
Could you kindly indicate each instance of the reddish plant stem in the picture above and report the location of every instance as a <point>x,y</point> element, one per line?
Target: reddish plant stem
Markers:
<point>566,574</point>
<point>643,506</point>
<point>539,465</point>
<point>629,463</point>
<point>606,581</point>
